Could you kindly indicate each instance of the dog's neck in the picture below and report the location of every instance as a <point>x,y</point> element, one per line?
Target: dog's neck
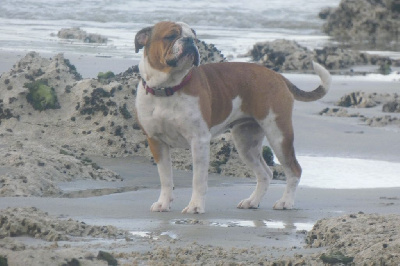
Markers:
<point>156,79</point>
<point>167,91</point>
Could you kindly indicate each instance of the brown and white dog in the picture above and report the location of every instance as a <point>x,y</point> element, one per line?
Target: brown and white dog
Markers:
<point>182,104</point>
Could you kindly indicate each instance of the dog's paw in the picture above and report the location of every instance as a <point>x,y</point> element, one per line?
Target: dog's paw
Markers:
<point>194,208</point>
<point>160,207</point>
<point>284,204</point>
<point>248,204</point>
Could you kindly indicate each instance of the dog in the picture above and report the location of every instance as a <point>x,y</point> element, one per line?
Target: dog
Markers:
<point>180,103</point>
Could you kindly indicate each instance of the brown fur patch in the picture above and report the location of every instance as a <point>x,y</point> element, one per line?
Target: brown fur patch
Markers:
<point>155,149</point>
<point>218,84</point>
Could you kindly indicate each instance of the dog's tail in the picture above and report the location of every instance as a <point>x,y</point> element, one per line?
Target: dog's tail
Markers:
<point>316,94</point>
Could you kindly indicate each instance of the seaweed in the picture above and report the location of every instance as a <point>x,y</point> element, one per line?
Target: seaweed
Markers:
<point>3,261</point>
<point>96,103</point>
<point>41,96</point>
<point>5,113</point>
<point>268,155</point>
<point>385,68</point>
<point>124,111</point>
<point>105,76</point>
<point>72,70</point>
<point>107,257</point>
<point>336,257</point>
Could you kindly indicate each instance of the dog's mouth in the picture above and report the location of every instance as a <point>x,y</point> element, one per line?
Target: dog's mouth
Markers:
<point>188,52</point>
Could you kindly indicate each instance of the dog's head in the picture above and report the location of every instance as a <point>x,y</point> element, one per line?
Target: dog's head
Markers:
<point>168,46</point>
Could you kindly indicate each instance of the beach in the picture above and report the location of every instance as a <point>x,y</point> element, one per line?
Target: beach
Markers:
<point>224,234</point>
<point>77,178</point>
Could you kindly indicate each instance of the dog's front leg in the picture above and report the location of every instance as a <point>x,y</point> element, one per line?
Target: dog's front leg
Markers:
<point>162,157</point>
<point>201,158</point>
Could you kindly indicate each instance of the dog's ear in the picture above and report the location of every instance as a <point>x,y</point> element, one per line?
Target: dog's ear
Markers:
<point>142,37</point>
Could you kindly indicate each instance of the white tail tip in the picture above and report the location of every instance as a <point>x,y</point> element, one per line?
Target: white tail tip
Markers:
<point>323,74</point>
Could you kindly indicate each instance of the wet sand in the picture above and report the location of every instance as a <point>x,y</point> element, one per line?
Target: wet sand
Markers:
<point>269,233</point>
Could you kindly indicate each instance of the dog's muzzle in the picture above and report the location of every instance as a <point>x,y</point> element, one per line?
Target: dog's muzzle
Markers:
<point>185,47</point>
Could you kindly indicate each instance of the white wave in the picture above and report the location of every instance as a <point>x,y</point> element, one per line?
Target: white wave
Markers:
<point>234,26</point>
<point>348,173</point>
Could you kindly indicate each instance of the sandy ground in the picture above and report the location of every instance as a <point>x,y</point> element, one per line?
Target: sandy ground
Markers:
<point>224,235</point>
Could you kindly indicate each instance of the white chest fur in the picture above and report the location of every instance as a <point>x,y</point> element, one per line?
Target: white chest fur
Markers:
<point>175,120</point>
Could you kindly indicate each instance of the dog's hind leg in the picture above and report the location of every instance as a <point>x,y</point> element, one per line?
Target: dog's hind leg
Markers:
<point>162,157</point>
<point>248,138</point>
<point>279,131</point>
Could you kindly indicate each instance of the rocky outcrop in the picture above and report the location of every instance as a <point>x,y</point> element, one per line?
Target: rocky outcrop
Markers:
<point>209,53</point>
<point>374,23</point>
<point>366,100</point>
<point>381,121</point>
<point>281,55</point>
<point>390,104</point>
<point>78,34</point>
<point>285,55</point>
<point>32,222</point>
<point>51,120</point>
<point>364,239</point>
<point>338,112</point>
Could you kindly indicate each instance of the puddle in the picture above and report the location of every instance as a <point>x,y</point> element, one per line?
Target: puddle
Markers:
<point>154,236</point>
<point>304,226</point>
<point>142,234</point>
<point>246,223</point>
<point>170,235</point>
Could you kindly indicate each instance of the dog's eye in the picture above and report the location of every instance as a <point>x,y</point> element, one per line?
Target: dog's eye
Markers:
<point>170,37</point>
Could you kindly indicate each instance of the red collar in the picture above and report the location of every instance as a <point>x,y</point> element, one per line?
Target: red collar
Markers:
<point>162,92</point>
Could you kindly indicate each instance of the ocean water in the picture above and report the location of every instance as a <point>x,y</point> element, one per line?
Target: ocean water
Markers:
<point>233,26</point>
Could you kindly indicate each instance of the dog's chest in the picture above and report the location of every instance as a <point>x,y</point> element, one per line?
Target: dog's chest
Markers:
<point>174,120</point>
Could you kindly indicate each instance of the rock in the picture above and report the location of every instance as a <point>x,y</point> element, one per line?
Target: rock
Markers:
<point>366,100</point>
<point>278,172</point>
<point>338,58</point>
<point>392,107</point>
<point>87,107</point>
<point>29,221</point>
<point>78,34</point>
<point>224,160</point>
<point>357,99</point>
<point>390,103</point>
<point>34,170</point>
<point>382,121</point>
<point>284,55</point>
<point>325,13</point>
<point>281,55</point>
<point>368,239</point>
<point>337,112</point>
<point>374,23</point>
<point>44,146</point>
<point>93,117</point>
<point>209,53</point>
<point>73,262</point>
<point>107,257</point>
